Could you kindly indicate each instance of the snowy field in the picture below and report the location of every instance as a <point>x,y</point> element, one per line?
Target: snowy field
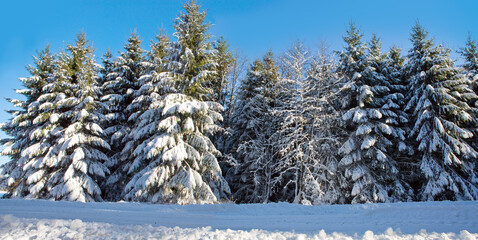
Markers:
<point>39,219</point>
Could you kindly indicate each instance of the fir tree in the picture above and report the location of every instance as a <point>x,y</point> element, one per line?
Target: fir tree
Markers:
<point>191,59</point>
<point>367,163</point>
<point>352,60</point>
<point>470,53</point>
<point>66,155</point>
<point>438,105</point>
<point>220,82</point>
<point>118,92</point>
<point>395,101</point>
<point>178,163</point>
<point>25,120</point>
<point>253,125</point>
<point>76,158</point>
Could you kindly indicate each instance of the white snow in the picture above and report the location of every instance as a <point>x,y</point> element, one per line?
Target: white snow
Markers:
<point>368,142</point>
<point>41,219</point>
<point>356,76</point>
<point>54,118</point>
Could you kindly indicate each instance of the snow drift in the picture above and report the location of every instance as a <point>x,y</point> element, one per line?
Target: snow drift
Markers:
<point>72,220</point>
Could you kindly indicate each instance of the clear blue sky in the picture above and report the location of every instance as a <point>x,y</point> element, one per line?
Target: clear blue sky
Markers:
<point>252,26</point>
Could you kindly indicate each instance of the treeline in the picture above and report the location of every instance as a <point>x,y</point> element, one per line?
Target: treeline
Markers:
<point>181,123</point>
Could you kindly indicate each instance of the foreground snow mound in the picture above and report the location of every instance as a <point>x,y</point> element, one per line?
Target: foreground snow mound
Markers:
<point>41,219</point>
<point>21,228</point>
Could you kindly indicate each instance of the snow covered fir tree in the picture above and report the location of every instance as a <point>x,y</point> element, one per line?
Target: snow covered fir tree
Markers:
<point>121,82</point>
<point>371,173</point>
<point>25,121</point>
<point>66,153</point>
<point>186,122</point>
<point>441,121</point>
<point>253,125</point>
<point>174,160</point>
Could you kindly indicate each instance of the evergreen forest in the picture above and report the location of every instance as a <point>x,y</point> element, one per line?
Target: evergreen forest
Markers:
<point>189,121</point>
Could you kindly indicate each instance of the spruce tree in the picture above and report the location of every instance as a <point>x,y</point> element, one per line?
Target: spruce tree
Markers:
<point>220,82</point>
<point>147,114</point>
<point>118,92</point>
<point>438,104</point>
<point>75,161</point>
<point>106,69</point>
<point>371,173</point>
<point>353,59</point>
<point>158,53</point>
<point>130,66</point>
<point>395,100</point>
<point>191,59</point>
<point>178,163</point>
<point>29,116</point>
<point>253,124</point>
<point>64,160</point>
<point>470,53</point>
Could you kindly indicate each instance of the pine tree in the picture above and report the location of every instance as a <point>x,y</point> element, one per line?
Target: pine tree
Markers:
<point>178,164</point>
<point>25,121</point>
<point>438,105</point>
<point>253,124</point>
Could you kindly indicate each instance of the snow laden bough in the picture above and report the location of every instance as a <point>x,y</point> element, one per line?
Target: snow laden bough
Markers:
<point>177,164</point>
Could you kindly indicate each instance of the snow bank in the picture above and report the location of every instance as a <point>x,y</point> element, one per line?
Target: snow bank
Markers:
<point>16,228</point>
<point>72,220</point>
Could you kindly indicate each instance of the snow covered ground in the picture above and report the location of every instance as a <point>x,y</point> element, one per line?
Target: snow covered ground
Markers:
<point>39,219</point>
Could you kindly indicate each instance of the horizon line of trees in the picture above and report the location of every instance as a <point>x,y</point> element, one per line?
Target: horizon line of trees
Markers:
<point>182,123</point>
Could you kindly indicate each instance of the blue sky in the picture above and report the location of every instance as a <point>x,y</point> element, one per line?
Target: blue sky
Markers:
<point>251,26</point>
